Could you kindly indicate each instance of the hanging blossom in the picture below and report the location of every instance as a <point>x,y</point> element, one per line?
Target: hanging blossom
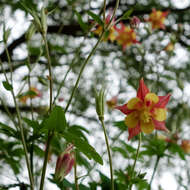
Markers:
<point>146,112</point>
<point>157,19</point>
<point>112,32</point>
<point>64,163</point>
<point>32,93</point>
<point>126,36</point>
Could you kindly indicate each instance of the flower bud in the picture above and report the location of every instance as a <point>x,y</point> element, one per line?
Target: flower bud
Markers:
<point>135,22</point>
<point>100,101</point>
<point>64,163</point>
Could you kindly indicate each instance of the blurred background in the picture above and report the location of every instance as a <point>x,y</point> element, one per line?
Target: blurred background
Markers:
<point>161,57</point>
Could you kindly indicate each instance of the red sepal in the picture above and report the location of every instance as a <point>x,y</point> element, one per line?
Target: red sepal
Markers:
<point>143,90</point>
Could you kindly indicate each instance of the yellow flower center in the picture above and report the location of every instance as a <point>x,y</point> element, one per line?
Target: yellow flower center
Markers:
<point>145,116</point>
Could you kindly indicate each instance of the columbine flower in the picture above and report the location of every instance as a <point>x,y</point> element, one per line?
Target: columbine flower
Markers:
<point>157,19</point>
<point>112,102</point>
<point>146,112</point>
<point>126,36</point>
<point>64,163</point>
<point>185,145</point>
<point>32,93</point>
<point>112,32</point>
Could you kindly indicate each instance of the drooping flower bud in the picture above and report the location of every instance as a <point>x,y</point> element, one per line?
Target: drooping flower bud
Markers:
<point>135,22</point>
<point>64,163</point>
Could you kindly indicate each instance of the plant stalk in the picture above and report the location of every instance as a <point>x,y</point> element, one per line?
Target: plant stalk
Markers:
<point>136,157</point>
<point>154,171</point>
<point>50,133</point>
<point>109,154</point>
<point>22,133</point>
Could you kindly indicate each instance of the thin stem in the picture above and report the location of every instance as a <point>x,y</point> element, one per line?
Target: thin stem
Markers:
<point>154,171</point>
<point>104,11</point>
<point>90,55</point>
<point>50,133</point>
<point>50,72</point>
<point>21,132</point>
<point>81,71</point>
<point>9,62</point>
<point>32,115</point>
<point>136,157</point>
<point>75,174</point>
<point>109,154</point>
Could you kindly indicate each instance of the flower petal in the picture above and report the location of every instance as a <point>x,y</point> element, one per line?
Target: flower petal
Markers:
<point>133,103</point>
<point>151,97</point>
<point>159,114</point>
<point>143,90</point>
<point>163,101</point>
<point>132,120</point>
<point>147,127</point>
<point>124,109</point>
<point>160,125</point>
<point>134,131</point>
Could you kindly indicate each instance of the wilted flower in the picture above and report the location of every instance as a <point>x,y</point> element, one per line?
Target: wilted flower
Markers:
<point>64,163</point>
<point>32,93</point>
<point>112,102</point>
<point>146,112</point>
<point>157,19</point>
<point>169,47</point>
<point>135,22</point>
<point>111,33</point>
<point>126,36</point>
<point>185,145</point>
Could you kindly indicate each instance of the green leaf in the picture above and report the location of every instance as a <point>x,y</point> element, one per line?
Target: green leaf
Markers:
<point>80,21</point>
<point>127,14</point>
<point>83,146</point>
<point>78,131</point>
<point>7,86</point>
<point>34,124</point>
<point>96,18</point>
<point>56,120</point>
<point>121,125</point>
<point>7,130</point>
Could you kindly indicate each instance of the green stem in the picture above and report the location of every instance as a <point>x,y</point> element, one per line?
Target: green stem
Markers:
<point>136,157</point>
<point>154,171</point>
<point>50,72</point>
<point>81,71</point>
<point>75,174</point>
<point>50,133</point>
<point>109,154</point>
<point>90,55</point>
<point>9,62</point>
<point>22,133</point>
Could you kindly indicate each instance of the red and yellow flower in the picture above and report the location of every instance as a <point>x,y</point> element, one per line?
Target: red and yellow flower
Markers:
<point>157,19</point>
<point>112,32</point>
<point>145,112</point>
<point>126,36</point>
